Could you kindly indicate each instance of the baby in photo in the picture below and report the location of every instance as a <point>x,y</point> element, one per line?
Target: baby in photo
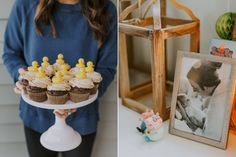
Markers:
<point>194,95</point>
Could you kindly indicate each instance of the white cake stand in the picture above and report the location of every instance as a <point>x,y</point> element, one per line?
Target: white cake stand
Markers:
<point>60,137</point>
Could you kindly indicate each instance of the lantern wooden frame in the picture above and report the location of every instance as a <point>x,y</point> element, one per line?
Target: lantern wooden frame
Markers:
<point>139,28</point>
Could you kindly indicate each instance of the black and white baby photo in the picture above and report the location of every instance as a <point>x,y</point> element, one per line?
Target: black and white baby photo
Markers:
<point>202,94</point>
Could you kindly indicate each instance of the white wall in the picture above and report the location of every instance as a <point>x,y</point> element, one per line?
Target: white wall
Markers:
<point>12,141</point>
<point>206,10</point>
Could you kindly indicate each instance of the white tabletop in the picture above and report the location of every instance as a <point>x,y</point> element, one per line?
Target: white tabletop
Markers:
<point>132,143</point>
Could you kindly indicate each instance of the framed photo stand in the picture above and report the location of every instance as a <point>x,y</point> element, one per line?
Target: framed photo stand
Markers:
<point>203,98</point>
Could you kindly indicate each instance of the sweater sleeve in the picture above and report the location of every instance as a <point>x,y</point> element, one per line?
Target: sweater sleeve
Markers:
<point>107,58</point>
<point>13,56</point>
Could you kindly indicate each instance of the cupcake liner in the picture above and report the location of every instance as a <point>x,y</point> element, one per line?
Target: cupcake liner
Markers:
<point>24,90</point>
<point>80,90</point>
<point>78,97</point>
<point>61,99</point>
<point>94,89</point>
<point>96,83</point>
<point>24,82</point>
<point>24,87</point>
<point>38,97</point>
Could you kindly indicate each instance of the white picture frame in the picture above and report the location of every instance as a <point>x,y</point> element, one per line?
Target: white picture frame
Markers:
<point>197,126</point>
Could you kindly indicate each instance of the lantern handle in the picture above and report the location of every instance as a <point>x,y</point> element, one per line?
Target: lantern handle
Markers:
<point>138,3</point>
<point>130,9</point>
<point>185,9</point>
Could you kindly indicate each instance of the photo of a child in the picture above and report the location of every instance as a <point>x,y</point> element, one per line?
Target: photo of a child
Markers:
<point>200,107</point>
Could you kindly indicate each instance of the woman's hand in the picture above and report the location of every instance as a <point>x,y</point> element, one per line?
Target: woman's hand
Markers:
<point>18,88</point>
<point>64,113</point>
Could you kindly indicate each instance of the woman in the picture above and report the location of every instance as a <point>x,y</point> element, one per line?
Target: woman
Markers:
<point>195,93</point>
<point>204,79</point>
<point>77,28</point>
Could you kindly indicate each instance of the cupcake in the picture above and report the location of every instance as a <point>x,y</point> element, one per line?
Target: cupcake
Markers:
<point>47,67</point>
<point>81,87</point>
<point>94,76</point>
<point>58,91</point>
<point>28,75</point>
<point>59,62</point>
<point>79,65</point>
<point>37,88</point>
<point>67,76</point>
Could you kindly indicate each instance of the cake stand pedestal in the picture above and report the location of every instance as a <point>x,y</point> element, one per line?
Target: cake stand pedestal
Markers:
<point>60,137</point>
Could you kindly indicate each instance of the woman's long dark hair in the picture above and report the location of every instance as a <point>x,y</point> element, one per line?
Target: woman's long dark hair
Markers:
<point>94,10</point>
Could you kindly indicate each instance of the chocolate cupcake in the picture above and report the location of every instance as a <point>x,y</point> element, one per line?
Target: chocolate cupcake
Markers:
<point>57,93</point>
<point>81,87</point>
<point>94,76</point>
<point>37,88</point>
<point>24,80</point>
<point>28,75</point>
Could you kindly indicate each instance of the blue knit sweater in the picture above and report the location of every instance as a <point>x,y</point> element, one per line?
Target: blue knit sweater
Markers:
<point>75,39</point>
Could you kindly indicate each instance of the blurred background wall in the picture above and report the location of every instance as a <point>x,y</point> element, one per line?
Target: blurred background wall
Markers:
<point>12,141</point>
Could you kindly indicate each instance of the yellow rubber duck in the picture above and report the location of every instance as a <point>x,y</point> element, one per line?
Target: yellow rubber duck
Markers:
<point>64,70</point>
<point>45,62</point>
<point>81,63</point>
<point>57,79</point>
<point>34,67</point>
<point>90,67</point>
<point>67,66</point>
<point>41,73</point>
<point>82,70</point>
<point>81,75</point>
<point>60,59</point>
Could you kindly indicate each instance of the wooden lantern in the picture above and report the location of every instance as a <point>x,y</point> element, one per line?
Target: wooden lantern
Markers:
<point>157,35</point>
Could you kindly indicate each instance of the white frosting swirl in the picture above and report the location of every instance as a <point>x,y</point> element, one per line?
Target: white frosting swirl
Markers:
<point>49,70</point>
<point>74,71</point>
<point>40,82</point>
<point>57,67</point>
<point>67,77</point>
<point>28,76</point>
<point>94,76</point>
<point>85,83</point>
<point>59,87</point>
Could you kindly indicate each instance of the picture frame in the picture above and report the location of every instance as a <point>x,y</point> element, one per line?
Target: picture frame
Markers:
<point>193,114</point>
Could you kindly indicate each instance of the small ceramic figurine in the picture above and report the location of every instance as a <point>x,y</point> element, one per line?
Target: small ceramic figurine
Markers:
<point>151,126</point>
